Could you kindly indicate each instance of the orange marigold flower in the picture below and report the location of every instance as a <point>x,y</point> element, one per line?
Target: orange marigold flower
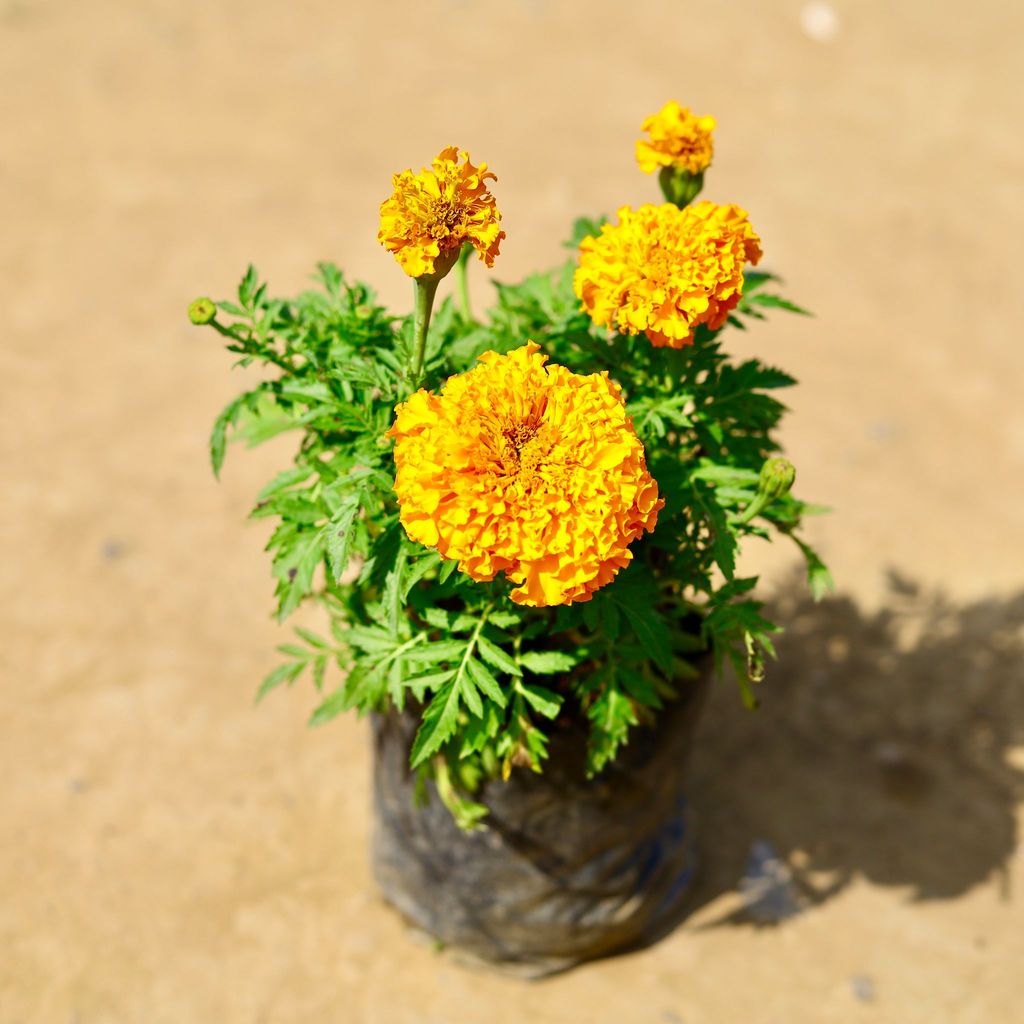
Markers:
<point>431,214</point>
<point>665,270</point>
<point>678,139</point>
<point>525,469</point>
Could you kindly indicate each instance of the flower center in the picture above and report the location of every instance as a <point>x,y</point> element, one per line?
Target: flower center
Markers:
<point>445,219</point>
<point>521,448</point>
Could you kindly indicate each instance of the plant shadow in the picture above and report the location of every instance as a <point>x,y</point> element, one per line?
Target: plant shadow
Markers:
<point>888,747</point>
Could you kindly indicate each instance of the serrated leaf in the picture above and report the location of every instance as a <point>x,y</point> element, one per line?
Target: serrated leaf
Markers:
<point>451,622</point>
<point>541,699</point>
<point>285,479</point>
<point>777,302</point>
<point>496,656</point>
<point>482,677</point>
<point>319,670</point>
<point>435,653</point>
<point>468,692</point>
<point>312,638</point>
<point>819,579</point>
<point>295,572</point>
<point>505,619</point>
<point>286,673</point>
<point>219,433</point>
<point>420,568</point>
<point>438,725</point>
<point>330,708</point>
<point>432,680</point>
<point>338,535</point>
<point>547,662</point>
<point>652,632</point>
<point>392,596</point>
<point>371,639</point>
<point>247,286</point>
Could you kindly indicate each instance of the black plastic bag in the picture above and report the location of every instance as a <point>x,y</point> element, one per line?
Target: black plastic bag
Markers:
<point>568,869</point>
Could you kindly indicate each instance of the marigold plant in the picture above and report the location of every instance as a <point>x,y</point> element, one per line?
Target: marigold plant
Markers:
<point>505,535</point>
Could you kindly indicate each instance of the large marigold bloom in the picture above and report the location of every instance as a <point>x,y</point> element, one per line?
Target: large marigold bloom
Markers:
<point>431,214</point>
<point>525,469</point>
<point>677,139</point>
<point>665,270</point>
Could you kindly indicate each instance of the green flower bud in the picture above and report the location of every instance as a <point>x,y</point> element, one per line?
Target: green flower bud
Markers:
<point>679,185</point>
<point>777,476</point>
<point>202,311</point>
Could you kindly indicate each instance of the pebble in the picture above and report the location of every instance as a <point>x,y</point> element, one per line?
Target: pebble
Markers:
<point>863,988</point>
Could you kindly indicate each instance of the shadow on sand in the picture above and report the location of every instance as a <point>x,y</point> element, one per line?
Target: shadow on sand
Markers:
<point>887,747</point>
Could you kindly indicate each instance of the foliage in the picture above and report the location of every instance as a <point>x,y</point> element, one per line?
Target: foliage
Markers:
<point>405,627</point>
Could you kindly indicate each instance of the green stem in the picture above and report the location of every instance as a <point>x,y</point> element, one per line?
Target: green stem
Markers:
<point>760,501</point>
<point>425,290</point>
<point>462,276</point>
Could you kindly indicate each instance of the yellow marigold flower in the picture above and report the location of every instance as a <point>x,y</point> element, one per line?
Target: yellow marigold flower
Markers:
<point>525,469</point>
<point>664,270</point>
<point>431,214</point>
<point>678,139</point>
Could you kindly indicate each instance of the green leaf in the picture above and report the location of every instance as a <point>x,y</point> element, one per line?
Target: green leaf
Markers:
<point>285,479</point>
<point>392,596</point>
<point>319,670</point>
<point>218,436</point>
<point>438,725</point>
<point>611,715</point>
<point>371,639</point>
<point>286,673</point>
<point>451,622</point>
<point>420,684</point>
<point>819,579</point>
<point>547,662</point>
<point>653,633</point>
<point>247,286</point>
<point>420,568</point>
<point>312,638</point>
<point>755,279</point>
<point>470,695</point>
<point>581,228</point>
<point>778,302</point>
<point>436,653</point>
<point>497,657</point>
<point>483,679</point>
<point>295,571</point>
<point>330,708</point>
<point>338,535</point>
<point>543,700</point>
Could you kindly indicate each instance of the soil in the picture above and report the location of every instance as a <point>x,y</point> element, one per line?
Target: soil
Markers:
<point>169,852</point>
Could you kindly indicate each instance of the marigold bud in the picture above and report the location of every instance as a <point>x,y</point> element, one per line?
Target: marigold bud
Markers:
<point>679,186</point>
<point>777,477</point>
<point>202,311</point>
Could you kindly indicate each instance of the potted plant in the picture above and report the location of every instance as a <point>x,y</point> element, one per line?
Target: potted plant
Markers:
<point>522,531</point>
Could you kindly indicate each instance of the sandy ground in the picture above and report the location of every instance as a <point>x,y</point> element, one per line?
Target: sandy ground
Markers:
<point>170,854</point>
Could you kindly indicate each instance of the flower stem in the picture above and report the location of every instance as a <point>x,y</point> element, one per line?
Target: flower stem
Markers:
<point>425,289</point>
<point>462,275</point>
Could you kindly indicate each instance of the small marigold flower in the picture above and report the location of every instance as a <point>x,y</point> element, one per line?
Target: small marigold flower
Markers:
<point>677,139</point>
<point>431,214</point>
<point>525,469</point>
<point>665,270</point>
